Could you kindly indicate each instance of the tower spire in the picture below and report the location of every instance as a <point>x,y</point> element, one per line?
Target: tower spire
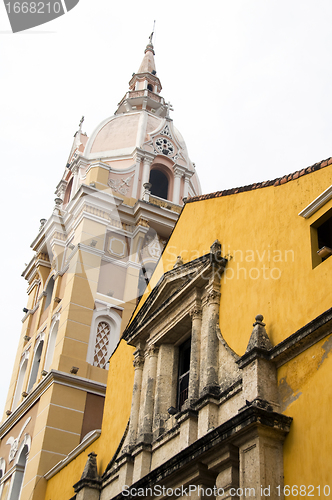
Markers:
<point>148,64</point>
<point>144,86</point>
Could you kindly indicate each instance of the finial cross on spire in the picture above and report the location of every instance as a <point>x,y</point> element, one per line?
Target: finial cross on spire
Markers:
<point>150,37</point>
<point>169,108</point>
<point>81,122</point>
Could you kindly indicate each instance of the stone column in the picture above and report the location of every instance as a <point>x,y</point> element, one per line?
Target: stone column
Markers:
<point>209,387</point>
<point>196,325</point>
<point>138,158</point>
<point>166,387</point>
<point>177,184</point>
<point>187,176</point>
<point>210,342</point>
<point>146,171</point>
<point>135,402</point>
<point>147,394</point>
<point>75,171</point>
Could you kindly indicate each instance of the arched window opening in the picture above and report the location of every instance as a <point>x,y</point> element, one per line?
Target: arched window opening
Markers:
<point>19,384</point>
<point>100,357</point>
<point>49,293</point>
<point>51,345</point>
<point>159,183</point>
<point>104,337</point>
<point>35,365</point>
<point>68,191</point>
<point>19,474</point>
<point>150,87</point>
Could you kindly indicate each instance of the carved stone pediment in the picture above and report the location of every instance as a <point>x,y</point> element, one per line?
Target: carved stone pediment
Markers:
<point>173,288</point>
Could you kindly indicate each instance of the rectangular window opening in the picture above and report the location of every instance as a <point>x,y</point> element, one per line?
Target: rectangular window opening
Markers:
<point>321,239</point>
<point>184,369</point>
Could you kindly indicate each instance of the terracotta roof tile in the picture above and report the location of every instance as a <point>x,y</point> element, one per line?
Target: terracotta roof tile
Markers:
<point>259,185</point>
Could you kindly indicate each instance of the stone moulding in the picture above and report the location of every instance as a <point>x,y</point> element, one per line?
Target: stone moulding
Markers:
<point>53,377</point>
<point>302,339</point>
<point>187,273</point>
<point>292,346</point>
<point>231,430</point>
<point>74,453</point>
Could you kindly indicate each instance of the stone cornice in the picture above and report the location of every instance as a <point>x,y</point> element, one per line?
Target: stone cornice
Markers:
<point>295,344</point>
<point>238,425</point>
<point>53,377</point>
<point>317,203</point>
<point>302,339</point>
<point>186,277</point>
<point>73,454</point>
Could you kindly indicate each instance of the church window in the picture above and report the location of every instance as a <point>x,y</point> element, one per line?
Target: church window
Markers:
<point>35,365</point>
<point>100,357</point>
<point>150,87</point>
<point>159,183</point>
<point>184,369</point>
<point>165,146</point>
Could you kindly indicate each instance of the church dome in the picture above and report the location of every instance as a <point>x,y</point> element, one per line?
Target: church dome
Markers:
<point>119,135</point>
<point>139,150</point>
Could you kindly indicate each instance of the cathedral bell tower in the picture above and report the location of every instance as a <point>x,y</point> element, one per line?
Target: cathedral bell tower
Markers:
<point>116,204</point>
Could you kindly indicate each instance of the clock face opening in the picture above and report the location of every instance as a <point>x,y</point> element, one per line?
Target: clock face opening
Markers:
<point>165,146</point>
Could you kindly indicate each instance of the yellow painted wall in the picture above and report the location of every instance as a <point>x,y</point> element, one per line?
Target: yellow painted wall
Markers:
<point>304,386</point>
<point>116,415</point>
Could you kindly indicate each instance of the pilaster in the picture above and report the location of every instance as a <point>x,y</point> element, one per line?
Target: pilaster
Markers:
<point>178,173</point>
<point>165,387</point>
<point>196,325</point>
<point>135,403</point>
<point>148,394</point>
<point>210,342</point>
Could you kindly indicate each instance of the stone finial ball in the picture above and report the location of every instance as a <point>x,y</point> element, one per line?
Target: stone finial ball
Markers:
<point>259,317</point>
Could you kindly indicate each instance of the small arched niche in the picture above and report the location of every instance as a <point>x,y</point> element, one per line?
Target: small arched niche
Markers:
<point>68,191</point>
<point>49,292</point>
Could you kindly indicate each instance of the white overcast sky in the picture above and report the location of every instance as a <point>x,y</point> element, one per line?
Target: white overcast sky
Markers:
<point>249,81</point>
